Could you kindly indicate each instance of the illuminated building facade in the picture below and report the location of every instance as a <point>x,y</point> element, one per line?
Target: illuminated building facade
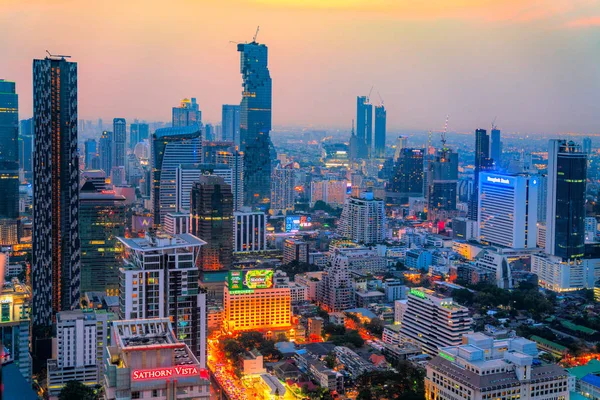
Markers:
<point>188,174</point>
<point>252,303</point>
<point>230,123</point>
<point>432,321</point>
<point>250,231</point>
<point>363,219</point>
<point>15,325</point>
<point>119,141</point>
<point>103,218</point>
<point>159,279</point>
<point>56,246</point>
<point>255,122</point>
<point>211,219</point>
<point>188,113</point>
<point>295,250</point>
<point>407,180</point>
<point>146,360</point>
<point>283,194</point>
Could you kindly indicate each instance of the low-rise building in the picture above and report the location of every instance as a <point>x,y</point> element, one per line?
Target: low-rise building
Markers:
<point>391,335</point>
<point>252,363</point>
<point>352,362</point>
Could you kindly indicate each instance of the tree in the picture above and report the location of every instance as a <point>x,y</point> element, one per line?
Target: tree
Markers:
<point>375,326</point>
<point>330,360</point>
<point>75,390</point>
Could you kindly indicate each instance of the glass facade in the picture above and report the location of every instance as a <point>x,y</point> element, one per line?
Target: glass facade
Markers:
<point>364,126</point>
<point>255,123</point>
<point>119,138</point>
<point>380,131</point>
<point>407,180</point>
<point>9,150</point>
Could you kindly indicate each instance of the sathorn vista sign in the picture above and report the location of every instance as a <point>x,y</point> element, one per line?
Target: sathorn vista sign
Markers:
<point>162,373</point>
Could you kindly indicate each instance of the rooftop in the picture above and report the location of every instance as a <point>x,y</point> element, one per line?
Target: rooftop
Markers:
<point>161,241</point>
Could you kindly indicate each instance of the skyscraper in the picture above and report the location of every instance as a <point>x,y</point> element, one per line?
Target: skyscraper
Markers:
<point>380,131</point>
<point>211,219</point>
<point>565,210</point>
<point>587,145</point>
<point>119,139</point>
<point>105,152</point>
<point>235,160</point>
<point>230,123</point>
<point>407,180</point>
<point>91,152</point>
<point>364,126</point>
<point>483,162</point>
<point>443,182</point>
<point>282,189</point>
<point>137,133</point>
<point>9,158</point>
<point>56,246</point>
<point>363,219</point>
<point>496,146</point>
<point>255,122</point>
<point>26,149</point>
<point>171,147</point>
<point>250,231</point>
<point>188,174</point>
<point>188,113</point>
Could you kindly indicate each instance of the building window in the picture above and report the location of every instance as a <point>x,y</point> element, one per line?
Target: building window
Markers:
<point>136,395</point>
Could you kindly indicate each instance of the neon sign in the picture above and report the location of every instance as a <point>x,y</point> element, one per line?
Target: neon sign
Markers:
<point>495,179</point>
<point>160,373</point>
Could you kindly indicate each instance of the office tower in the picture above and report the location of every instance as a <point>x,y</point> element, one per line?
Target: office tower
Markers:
<point>587,145</point>
<point>255,123</point>
<point>235,160</point>
<point>230,124</point>
<point>100,125</point>
<point>542,198</point>
<point>9,157</point>
<point>81,337</point>
<point>364,126</point>
<point>209,133</point>
<point>332,192</point>
<point>119,141</point>
<point>15,325</point>
<point>508,210</point>
<point>407,180</point>
<point>335,291</point>
<point>252,303</point>
<point>283,195</point>
<point>102,218</point>
<point>363,219</point>
<point>187,114</point>
<point>170,148</point>
<point>483,162</point>
<point>180,374</point>
<point>565,215</point>
<point>433,321</point>
<point>473,368</point>
<point>91,152</point>
<point>159,279</point>
<point>401,143</point>
<point>26,149</point>
<point>106,152</point>
<point>295,250</point>
<point>443,181</point>
<point>118,176</point>
<point>211,219</point>
<point>496,146</point>
<point>380,131</point>
<point>95,176</point>
<point>138,132</point>
<point>188,174</point>
<point>250,231</point>
<point>177,223</point>
<point>56,247</point>
<point>211,151</point>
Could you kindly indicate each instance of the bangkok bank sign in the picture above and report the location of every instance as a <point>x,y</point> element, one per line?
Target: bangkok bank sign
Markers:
<point>171,372</point>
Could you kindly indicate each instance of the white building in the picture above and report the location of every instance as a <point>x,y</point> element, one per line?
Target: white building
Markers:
<point>81,336</point>
<point>332,192</point>
<point>363,219</point>
<point>484,368</point>
<point>235,160</point>
<point>391,335</point>
<point>177,223</point>
<point>497,264</point>
<point>310,280</point>
<point>250,231</point>
<point>433,321</point>
<point>334,290</point>
<point>298,292</point>
<point>507,211</point>
<point>361,259</point>
<point>591,229</point>
<point>283,195</point>
<point>541,235</point>
<point>188,174</point>
<point>399,310</point>
<point>559,275</point>
<point>159,279</point>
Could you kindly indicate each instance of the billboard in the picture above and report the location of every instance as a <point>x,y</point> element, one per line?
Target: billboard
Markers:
<point>168,372</point>
<point>293,223</point>
<point>250,280</point>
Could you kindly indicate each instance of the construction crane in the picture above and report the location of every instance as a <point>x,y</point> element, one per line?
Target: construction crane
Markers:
<point>494,123</point>
<point>445,132</point>
<point>369,96</point>
<point>380,98</point>
<point>256,34</point>
<point>57,55</point>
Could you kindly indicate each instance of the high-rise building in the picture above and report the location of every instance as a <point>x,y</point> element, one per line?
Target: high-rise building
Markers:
<point>230,123</point>
<point>209,132</point>
<point>542,198</point>
<point>401,143</point>
<point>496,146</point>
<point>255,123</point>
<point>380,131</point>
<point>81,336</point>
<point>91,153</point>
<point>442,180</point>
<point>335,291</point>
<point>133,369</point>
<point>508,209</point>
<point>295,250</point>
<point>102,218</point>
<point>407,180</point>
<point>363,219</point>
<point>26,149</point>
<point>171,147</point>
<point>211,219</point>
<point>138,132</point>
<point>565,215</point>
<point>106,152</point>
<point>483,162</point>
<point>433,321</point>
<point>177,223</point>
<point>56,246</point>
<point>235,160</point>
<point>587,145</point>
<point>119,142</point>
<point>332,192</point>
<point>9,157</point>
<point>188,174</point>
<point>475,368</point>
<point>159,279</point>
<point>364,126</point>
<point>15,325</point>
<point>283,195</point>
<point>250,231</point>
<point>188,113</point>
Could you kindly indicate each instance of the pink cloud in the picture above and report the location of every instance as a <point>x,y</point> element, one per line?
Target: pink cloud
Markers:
<point>583,22</point>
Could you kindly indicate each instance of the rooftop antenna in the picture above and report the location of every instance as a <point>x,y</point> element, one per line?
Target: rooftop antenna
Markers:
<point>380,98</point>
<point>494,123</point>
<point>444,133</point>
<point>57,55</point>
<point>256,34</point>
<point>352,133</point>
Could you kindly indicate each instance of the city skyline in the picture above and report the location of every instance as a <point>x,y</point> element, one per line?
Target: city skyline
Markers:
<point>470,59</point>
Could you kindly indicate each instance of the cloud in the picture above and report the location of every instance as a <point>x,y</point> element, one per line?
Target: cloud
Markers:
<point>585,22</point>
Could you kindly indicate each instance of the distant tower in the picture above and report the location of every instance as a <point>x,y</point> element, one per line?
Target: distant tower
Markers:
<point>119,139</point>
<point>483,162</point>
<point>91,152</point>
<point>380,131</point>
<point>230,123</point>
<point>106,151</point>
<point>188,113</point>
<point>9,162</point>
<point>587,145</point>
<point>496,145</point>
<point>364,126</point>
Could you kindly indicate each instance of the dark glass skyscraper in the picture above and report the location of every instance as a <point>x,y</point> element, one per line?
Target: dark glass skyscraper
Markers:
<point>496,146</point>
<point>26,147</point>
<point>9,153</point>
<point>211,219</point>
<point>483,162</point>
<point>137,133</point>
<point>106,152</point>
<point>364,126</point>
<point>56,245</point>
<point>380,131</point>
<point>442,180</point>
<point>565,213</point>
<point>119,139</point>
<point>255,123</point>
<point>407,180</point>
<point>91,152</point>
<point>230,124</point>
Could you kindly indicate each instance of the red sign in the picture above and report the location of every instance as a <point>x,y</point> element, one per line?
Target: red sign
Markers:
<point>161,373</point>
